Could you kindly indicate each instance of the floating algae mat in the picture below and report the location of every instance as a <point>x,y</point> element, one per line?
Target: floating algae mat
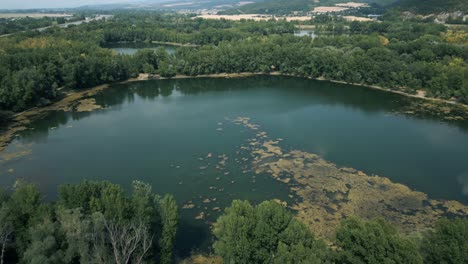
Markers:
<point>329,193</point>
<point>314,146</point>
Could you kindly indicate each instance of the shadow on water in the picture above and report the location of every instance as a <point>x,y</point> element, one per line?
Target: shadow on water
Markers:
<point>192,237</point>
<point>302,91</point>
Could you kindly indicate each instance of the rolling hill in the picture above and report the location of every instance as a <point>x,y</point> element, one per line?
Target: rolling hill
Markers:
<point>288,6</point>
<point>432,6</point>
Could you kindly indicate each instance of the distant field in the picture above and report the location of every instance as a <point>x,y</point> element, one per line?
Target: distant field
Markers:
<point>352,5</point>
<point>355,18</point>
<point>33,15</point>
<point>256,17</point>
<point>327,9</point>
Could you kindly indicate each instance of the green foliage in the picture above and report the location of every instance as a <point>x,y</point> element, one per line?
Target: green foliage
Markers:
<point>447,243</point>
<point>265,234</point>
<point>375,241</point>
<point>83,226</point>
<point>169,221</point>
<point>432,6</point>
<point>273,7</point>
<point>148,27</point>
<point>24,211</point>
<point>91,221</point>
<point>398,55</point>
<point>11,25</point>
<point>74,227</point>
<point>355,59</point>
<point>289,6</point>
<point>35,67</point>
<point>44,246</point>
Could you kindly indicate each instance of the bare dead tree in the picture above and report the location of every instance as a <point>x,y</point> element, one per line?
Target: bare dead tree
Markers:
<point>6,230</point>
<point>130,242</point>
<point>99,247</point>
<point>146,244</point>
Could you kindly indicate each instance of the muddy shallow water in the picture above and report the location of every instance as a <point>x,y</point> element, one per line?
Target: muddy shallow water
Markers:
<point>314,145</point>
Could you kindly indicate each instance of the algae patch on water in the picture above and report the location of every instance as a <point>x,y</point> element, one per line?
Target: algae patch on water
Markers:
<point>329,193</point>
<point>440,110</point>
<point>19,151</point>
<point>87,105</point>
<point>21,121</point>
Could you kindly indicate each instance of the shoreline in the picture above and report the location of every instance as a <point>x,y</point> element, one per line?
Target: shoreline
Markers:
<point>175,44</point>
<point>69,100</point>
<point>419,95</point>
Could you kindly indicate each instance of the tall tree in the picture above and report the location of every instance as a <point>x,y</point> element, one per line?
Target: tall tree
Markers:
<point>375,242</point>
<point>447,243</point>
<point>267,233</point>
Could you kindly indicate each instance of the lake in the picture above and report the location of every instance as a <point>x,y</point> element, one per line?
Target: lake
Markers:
<point>182,137</point>
<point>132,48</point>
<point>305,32</point>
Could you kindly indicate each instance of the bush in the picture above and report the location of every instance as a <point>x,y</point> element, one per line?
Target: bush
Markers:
<point>375,241</point>
<point>447,243</point>
<point>267,233</point>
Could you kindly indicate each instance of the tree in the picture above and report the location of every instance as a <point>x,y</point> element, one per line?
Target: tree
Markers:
<point>265,234</point>
<point>100,222</point>
<point>169,221</point>
<point>6,230</point>
<point>147,58</point>
<point>166,69</point>
<point>130,241</point>
<point>234,233</point>
<point>374,241</point>
<point>78,233</point>
<point>447,243</point>
<point>25,209</point>
<point>44,246</point>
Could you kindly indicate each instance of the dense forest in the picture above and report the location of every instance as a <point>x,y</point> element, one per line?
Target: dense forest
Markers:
<point>98,222</point>
<point>12,25</point>
<point>290,6</point>
<point>91,222</point>
<point>431,6</point>
<point>409,55</point>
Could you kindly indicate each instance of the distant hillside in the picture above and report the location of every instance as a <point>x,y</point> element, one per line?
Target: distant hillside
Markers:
<point>173,4</point>
<point>288,6</point>
<point>273,7</point>
<point>432,6</point>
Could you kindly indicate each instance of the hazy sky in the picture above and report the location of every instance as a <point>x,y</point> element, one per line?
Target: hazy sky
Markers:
<point>24,4</point>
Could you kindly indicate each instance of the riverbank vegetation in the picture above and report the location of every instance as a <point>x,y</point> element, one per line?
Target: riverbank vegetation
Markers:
<point>408,56</point>
<point>16,24</point>
<point>99,222</point>
<point>34,65</point>
<point>90,222</point>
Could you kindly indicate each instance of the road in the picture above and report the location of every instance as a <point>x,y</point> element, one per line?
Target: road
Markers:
<point>65,25</point>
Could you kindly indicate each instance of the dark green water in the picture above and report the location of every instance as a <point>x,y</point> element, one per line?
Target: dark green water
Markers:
<point>160,132</point>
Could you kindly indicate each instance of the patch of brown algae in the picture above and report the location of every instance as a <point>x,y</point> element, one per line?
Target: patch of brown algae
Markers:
<point>87,105</point>
<point>329,193</point>
<point>21,120</point>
